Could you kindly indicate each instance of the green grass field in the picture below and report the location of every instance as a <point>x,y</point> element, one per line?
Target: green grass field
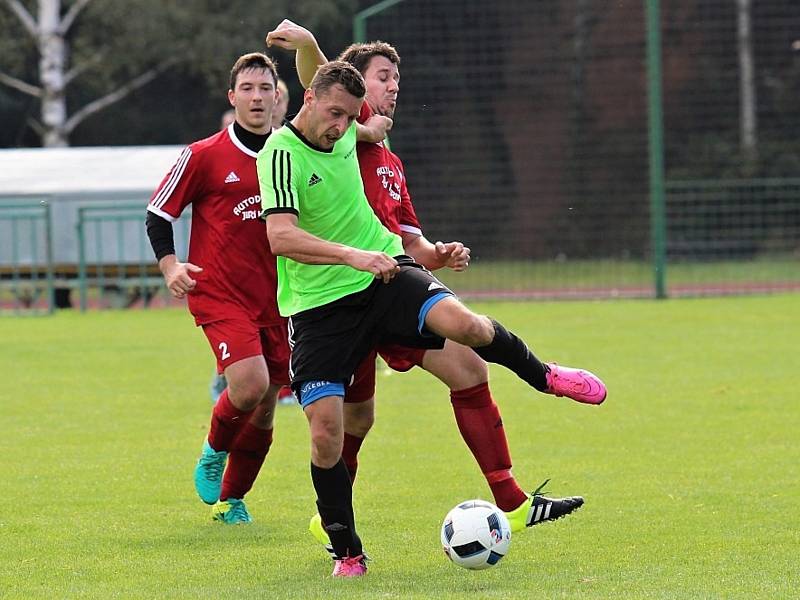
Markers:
<point>690,470</point>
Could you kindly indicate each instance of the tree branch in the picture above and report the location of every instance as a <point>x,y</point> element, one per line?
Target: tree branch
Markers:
<point>71,15</point>
<point>82,67</point>
<point>118,94</point>
<point>23,15</point>
<point>36,126</point>
<point>20,85</point>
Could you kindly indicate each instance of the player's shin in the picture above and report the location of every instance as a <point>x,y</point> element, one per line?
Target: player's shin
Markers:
<point>226,422</point>
<point>247,454</point>
<point>350,448</point>
<point>481,426</point>
<point>510,351</point>
<point>335,505</point>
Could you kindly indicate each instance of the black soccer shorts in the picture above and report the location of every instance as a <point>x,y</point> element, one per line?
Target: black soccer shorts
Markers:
<point>330,341</point>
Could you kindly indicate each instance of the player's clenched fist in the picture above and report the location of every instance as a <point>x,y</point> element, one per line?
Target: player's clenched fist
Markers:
<point>177,277</point>
<point>290,36</point>
<point>374,129</point>
<point>454,255</point>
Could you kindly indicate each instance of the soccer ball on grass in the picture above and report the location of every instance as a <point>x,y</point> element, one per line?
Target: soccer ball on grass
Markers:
<point>476,534</point>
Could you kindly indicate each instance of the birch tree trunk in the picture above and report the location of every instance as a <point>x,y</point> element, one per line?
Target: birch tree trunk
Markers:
<point>49,31</point>
<point>748,118</point>
<point>52,53</point>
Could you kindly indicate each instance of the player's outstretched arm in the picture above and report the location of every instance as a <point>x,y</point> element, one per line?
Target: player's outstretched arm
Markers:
<point>453,255</point>
<point>287,239</point>
<point>291,36</point>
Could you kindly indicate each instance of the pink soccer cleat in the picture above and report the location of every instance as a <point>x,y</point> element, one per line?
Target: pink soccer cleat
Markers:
<point>580,385</point>
<point>350,567</point>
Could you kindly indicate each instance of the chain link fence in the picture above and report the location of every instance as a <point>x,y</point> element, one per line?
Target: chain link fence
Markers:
<point>523,128</point>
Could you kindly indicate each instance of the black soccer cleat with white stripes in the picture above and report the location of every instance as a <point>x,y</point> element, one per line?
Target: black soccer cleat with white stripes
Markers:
<point>539,508</point>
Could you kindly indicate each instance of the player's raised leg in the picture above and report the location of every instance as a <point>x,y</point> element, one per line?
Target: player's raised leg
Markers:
<point>494,343</point>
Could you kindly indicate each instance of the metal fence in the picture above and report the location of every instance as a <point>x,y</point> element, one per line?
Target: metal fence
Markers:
<point>602,149</point>
<point>113,265</point>
<point>580,149</point>
<point>26,275</point>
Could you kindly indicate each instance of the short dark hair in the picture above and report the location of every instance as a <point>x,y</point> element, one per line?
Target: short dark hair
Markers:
<point>360,54</point>
<point>253,60</point>
<point>343,73</point>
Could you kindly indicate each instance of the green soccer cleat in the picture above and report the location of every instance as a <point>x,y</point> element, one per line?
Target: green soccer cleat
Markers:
<point>208,473</point>
<point>319,533</point>
<point>231,512</point>
<point>538,509</point>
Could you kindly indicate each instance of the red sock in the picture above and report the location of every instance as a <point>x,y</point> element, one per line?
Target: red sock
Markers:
<point>248,452</point>
<point>226,422</point>
<point>481,427</point>
<point>352,445</point>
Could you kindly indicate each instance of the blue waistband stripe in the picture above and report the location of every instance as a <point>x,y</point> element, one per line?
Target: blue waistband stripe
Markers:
<point>423,311</point>
<point>311,391</point>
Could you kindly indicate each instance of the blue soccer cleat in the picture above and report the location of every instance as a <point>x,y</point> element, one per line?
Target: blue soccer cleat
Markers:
<point>208,473</point>
<point>231,512</point>
<point>217,386</point>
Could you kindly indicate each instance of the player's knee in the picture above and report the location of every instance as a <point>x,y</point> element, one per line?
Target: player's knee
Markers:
<point>475,331</point>
<point>326,440</point>
<point>470,370</point>
<point>359,418</point>
<point>246,395</point>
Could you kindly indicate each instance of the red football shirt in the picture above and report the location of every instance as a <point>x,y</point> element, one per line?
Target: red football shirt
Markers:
<point>385,184</point>
<point>217,176</point>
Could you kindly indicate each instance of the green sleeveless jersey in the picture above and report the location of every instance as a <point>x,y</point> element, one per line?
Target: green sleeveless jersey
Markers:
<point>325,191</point>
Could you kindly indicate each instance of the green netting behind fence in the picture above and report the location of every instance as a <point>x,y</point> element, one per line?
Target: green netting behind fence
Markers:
<point>523,127</point>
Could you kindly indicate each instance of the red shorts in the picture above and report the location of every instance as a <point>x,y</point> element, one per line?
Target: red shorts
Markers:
<point>235,339</point>
<point>399,358</point>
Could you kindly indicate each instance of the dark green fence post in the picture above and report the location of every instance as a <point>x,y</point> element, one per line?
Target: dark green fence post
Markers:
<point>360,20</point>
<point>82,283</point>
<point>48,249</point>
<point>658,222</point>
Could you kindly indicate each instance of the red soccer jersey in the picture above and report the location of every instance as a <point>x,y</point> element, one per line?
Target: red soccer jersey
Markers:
<point>385,184</point>
<point>217,176</point>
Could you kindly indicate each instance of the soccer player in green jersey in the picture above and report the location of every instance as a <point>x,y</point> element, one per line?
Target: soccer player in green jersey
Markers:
<point>345,283</point>
<point>466,375</point>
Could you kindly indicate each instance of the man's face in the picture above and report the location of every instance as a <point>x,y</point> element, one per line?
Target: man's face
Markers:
<point>330,114</point>
<point>253,99</point>
<point>383,83</point>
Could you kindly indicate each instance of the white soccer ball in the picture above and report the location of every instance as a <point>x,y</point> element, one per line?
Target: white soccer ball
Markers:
<point>476,534</point>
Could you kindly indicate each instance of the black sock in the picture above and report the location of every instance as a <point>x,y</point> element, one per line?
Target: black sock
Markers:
<point>508,350</point>
<point>335,505</point>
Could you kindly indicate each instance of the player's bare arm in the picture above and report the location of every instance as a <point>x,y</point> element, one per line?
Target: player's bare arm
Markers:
<point>374,129</point>
<point>291,36</point>
<point>433,256</point>
<point>177,275</point>
<point>287,239</point>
